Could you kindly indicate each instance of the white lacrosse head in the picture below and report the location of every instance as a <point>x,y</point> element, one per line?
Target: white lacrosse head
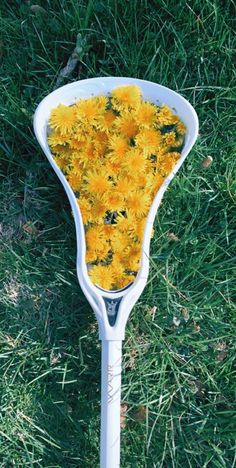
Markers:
<point>117,304</point>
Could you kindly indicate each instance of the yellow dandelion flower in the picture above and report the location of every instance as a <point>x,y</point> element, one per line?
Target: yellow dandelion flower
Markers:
<point>129,226</point>
<point>117,266</point>
<point>85,208</point>
<point>63,118</point>
<point>97,245</point>
<point>179,141</point>
<point>103,250</point>
<point>118,274</point>
<point>87,153</point>
<point>106,121</point>
<point>169,138</point>
<point>102,276</point>
<point>135,161</point>
<point>125,223</point>
<point>88,110</point>
<point>120,241</point>
<point>56,138</point>
<point>119,146</point>
<point>97,182</point>
<point>91,256</point>
<point>157,183</point>
<point>74,181</point>
<point>107,231</point>
<point>122,185</point>
<point>100,138</point>
<point>100,144</point>
<point>58,149</point>
<point>76,165</point>
<point>145,114</point>
<point>114,200</point>
<point>163,149</point>
<point>148,140</point>
<point>66,153</point>
<point>99,210</point>
<point>77,143</point>
<point>181,128</point>
<point>143,180</point>
<point>113,168</point>
<point>133,231</point>
<point>101,103</point>
<point>165,116</point>
<point>126,125</point>
<point>94,237</point>
<point>138,203</point>
<point>166,163</point>
<point>175,154</point>
<point>133,258</point>
<point>61,162</point>
<point>129,176</point>
<point>126,97</point>
<point>123,281</point>
<point>83,194</point>
<point>119,257</point>
<point>173,119</point>
<point>140,228</point>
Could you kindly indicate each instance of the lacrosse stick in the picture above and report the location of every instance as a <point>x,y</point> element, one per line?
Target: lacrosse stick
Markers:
<point>112,308</point>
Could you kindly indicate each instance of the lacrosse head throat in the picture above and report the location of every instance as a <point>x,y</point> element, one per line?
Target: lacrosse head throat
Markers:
<point>112,307</point>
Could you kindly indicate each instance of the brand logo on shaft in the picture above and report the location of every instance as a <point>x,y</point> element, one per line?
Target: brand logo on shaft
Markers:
<point>112,306</point>
<point>110,386</point>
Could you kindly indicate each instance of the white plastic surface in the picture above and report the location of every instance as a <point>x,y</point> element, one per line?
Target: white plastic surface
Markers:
<point>67,95</point>
<point>110,404</point>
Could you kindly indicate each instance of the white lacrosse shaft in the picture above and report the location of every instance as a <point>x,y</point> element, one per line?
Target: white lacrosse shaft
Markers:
<point>110,404</point>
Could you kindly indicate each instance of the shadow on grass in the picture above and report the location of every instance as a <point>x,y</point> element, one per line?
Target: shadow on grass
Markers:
<point>49,341</point>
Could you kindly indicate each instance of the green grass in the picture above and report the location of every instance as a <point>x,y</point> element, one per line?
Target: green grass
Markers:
<point>179,357</point>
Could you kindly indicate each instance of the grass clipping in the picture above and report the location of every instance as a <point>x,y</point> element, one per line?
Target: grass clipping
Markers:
<point>115,151</point>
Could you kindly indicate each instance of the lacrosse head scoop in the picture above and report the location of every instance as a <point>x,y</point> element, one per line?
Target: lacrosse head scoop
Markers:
<point>115,143</point>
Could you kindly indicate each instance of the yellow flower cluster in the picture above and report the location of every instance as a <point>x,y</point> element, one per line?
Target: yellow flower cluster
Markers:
<point>115,152</point>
